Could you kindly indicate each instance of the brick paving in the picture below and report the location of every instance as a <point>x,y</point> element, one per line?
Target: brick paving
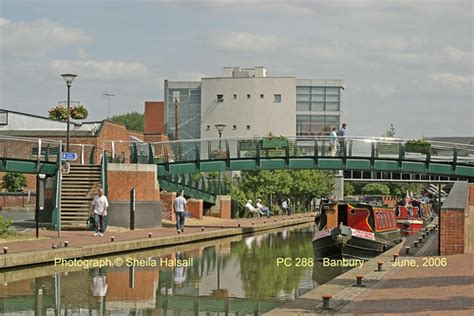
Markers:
<point>421,290</point>
<point>80,238</point>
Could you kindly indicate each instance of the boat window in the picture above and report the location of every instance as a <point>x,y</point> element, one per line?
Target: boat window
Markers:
<point>353,211</point>
<point>342,213</point>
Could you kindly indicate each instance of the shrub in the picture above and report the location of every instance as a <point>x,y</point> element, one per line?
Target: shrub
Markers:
<point>14,182</point>
<point>5,227</point>
<point>59,113</point>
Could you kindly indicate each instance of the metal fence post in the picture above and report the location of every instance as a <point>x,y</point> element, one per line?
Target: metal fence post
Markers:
<point>132,209</point>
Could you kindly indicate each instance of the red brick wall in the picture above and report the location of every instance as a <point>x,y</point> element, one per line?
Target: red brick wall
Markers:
<point>195,207</point>
<point>16,201</point>
<point>122,178</point>
<point>452,232</point>
<point>225,209</point>
<point>167,199</point>
<point>154,117</point>
<point>471,194</point>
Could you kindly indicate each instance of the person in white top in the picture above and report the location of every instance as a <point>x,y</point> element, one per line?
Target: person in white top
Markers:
<point>99,207</point>
<point>334,143</point>
<point>251,209</point>
<point>180,210</point>
<point>265,210</point>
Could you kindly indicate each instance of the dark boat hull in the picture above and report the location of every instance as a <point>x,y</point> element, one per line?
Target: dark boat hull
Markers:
<point>356,247</point>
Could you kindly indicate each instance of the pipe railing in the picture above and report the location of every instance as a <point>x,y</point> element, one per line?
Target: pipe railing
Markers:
<point>288,147</point>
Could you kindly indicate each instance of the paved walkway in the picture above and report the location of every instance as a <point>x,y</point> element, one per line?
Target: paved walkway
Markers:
<point>49,239</point>
<point>421,290</point>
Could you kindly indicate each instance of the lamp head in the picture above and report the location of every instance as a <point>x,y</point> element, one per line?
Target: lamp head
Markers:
<point>220,127</point>
<point>68,78</point>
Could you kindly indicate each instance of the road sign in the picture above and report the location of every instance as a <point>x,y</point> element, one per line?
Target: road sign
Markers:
<point>69,156</point>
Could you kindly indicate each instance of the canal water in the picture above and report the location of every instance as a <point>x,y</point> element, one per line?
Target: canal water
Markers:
<point>242,275</point>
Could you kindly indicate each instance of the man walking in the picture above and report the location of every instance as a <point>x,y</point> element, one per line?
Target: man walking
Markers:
<point>99,207</point>
<point>180,210</point>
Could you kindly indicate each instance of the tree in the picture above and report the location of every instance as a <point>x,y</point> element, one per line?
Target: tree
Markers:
<point>400,189</point>
<point>348,188</point>
<point>390,132</point>
<point>133,121</point>
<point>14,182</point>
<point>375,189</point>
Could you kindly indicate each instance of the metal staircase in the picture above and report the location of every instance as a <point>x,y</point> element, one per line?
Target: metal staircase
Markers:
<point>78,188</point>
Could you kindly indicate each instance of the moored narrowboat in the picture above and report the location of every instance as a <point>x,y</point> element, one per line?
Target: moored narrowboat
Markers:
<point>354,230</point>
<point>412,219</point>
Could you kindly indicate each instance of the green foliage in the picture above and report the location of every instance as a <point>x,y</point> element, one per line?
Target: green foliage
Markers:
<point>402,188</point>
<point>13,182</point>
<point>417,146</point>
<point>376,189</point>
<point>390,132</point>
<point>134,121</point>
<point>299,185</point>
<point>348,188</point>
<point>5,227</point>
<point>59,113</point>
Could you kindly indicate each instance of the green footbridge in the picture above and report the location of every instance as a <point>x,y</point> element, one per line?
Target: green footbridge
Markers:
<point>179,161</point>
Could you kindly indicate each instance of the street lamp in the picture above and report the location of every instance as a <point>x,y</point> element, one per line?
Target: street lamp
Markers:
<point>220,129</point>
<point>68,78</point>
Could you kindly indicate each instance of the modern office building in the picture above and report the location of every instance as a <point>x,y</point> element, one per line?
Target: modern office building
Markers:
<point>250,103</point>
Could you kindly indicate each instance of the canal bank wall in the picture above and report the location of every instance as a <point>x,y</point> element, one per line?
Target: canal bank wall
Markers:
<point>83,246</point>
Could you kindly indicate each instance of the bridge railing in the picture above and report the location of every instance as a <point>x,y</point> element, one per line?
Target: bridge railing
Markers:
<point>22,148</point>
<point>284,147</point>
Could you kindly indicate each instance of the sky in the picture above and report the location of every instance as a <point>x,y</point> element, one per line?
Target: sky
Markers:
<point>404,62</point>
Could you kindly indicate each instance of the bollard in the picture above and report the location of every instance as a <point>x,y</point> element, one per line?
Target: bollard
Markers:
<point>359,280</point>
<point>112,238</point>
<point>53,246</point>
<point>222,226</point>
<point>149,235</point>
<point>238,225</point>
<point>5,250</point>
<point>423,235</point>
<point>326,298</point>
<point>407,250</point>
<point>379,265</point>
<point>202,229</point>
<point>420,240</point>
<point>395,256</point>
<point>427,233</point>
<point>275,220</point>
<point>66,243</point>
<point>253,223</point>
<point>415,244</point>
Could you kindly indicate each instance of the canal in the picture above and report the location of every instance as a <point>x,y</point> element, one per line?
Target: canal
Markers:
<point>241,275</point>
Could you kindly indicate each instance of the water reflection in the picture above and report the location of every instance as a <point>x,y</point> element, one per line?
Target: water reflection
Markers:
<point>231,276</point>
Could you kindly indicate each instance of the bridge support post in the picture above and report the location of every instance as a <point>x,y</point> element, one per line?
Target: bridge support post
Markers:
<point>339,185</point>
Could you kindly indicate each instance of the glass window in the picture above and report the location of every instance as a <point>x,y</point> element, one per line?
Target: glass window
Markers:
<point>332,119</point>
<point>317,90</point>
<point>195,98</point>
<point>332,106</point>
<point>302,106</point>
<point>277,98</point>
<point>220,98</point>
<point>317,106</point>
<point>317,97</point>
<point>303,90</point>
<point>302,97</point>
<point>318,118</point>
<point>332,90</point>
<point>332,98</point>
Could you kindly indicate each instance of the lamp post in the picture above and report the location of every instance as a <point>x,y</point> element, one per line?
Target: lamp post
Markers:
<point>220,129</point>
<point>68,78</point>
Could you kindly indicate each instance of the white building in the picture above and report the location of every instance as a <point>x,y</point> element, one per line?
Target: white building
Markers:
<point>250,103</point>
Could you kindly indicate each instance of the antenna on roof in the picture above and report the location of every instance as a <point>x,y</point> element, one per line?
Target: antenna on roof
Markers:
<point>108,95</point>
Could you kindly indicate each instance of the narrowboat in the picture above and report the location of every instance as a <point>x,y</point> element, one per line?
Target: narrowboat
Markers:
<point>354,230</point>
<point>412,219</point>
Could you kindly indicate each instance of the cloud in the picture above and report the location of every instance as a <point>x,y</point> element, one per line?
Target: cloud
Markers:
<point>453,80</point>
<point>29,39</point>
<point>102,70</point>
<point>244,42</point>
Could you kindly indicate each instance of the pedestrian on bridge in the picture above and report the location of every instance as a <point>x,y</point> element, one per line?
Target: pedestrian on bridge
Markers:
<point>180,210</point>
<point>342,139</point>
<point>333,142</point>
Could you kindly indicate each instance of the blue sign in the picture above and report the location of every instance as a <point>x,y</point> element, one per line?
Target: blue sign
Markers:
<point>69,156</point>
